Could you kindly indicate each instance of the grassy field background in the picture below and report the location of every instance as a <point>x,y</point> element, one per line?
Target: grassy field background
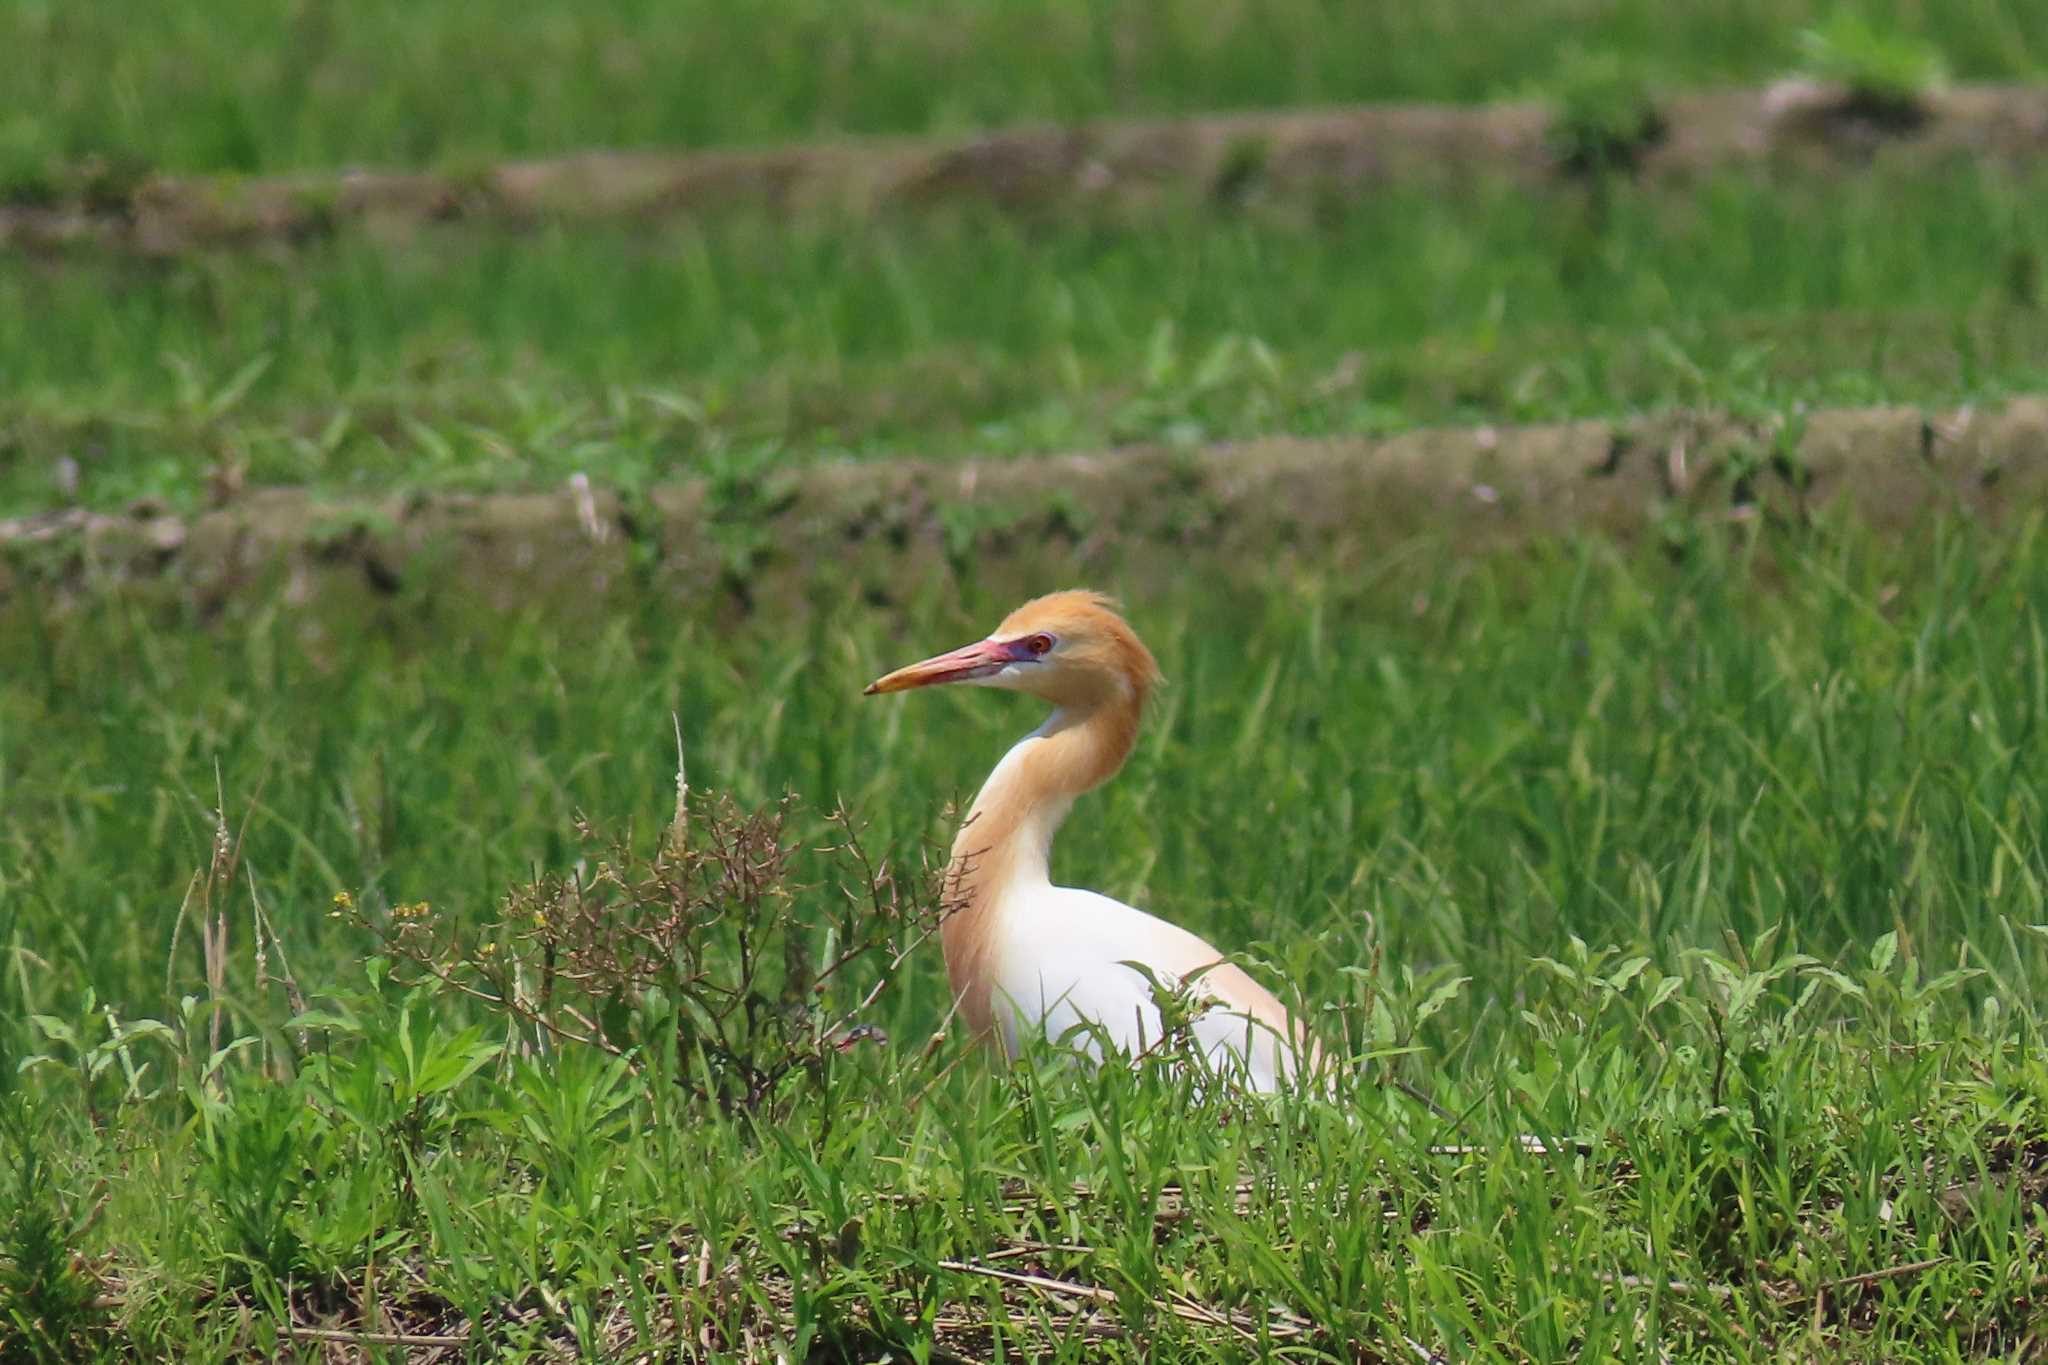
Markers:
<point>1716,861</point>
<point>261,87</point>
<point>489,360</point>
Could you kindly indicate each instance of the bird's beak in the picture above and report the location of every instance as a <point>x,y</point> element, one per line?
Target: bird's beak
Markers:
<point>964,664</point>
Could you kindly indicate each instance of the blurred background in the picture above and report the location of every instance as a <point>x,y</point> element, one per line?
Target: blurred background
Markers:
<point>308,245</point>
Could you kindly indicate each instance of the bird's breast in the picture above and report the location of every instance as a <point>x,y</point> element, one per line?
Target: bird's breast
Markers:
<point>1061,968</point>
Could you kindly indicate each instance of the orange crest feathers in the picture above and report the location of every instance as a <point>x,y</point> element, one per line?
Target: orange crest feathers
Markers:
<point>1091,631</point>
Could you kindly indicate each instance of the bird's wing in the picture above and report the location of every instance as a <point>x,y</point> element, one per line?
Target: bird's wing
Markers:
<point>1063,964</point>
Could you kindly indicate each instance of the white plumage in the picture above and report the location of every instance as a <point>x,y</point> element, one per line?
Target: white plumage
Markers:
<point>1063,972</point>
<point>1027,957</point>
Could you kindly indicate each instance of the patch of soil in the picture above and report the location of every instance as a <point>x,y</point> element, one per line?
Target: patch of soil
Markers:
<point>1141,514</point>
<point>1794,127</point>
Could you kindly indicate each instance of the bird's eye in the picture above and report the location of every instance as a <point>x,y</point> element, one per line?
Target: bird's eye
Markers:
<point>1039,644</point>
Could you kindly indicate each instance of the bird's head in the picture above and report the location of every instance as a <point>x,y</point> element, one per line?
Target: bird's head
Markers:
<point>1069,648</point>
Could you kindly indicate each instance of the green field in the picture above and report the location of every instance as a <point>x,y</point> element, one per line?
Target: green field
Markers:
<point>363,996</point>
<point>1738,888</point>
<point>250,86</point>
<point>493,360</point>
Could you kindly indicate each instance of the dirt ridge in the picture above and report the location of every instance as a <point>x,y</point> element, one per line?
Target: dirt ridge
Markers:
<point>1795,126</point>
<point>1139,513</point>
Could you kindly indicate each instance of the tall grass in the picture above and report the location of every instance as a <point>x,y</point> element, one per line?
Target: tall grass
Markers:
<point>1482,758</point>
<point>1793,787</point>
<point>252,87</point>
<point>483,358</point>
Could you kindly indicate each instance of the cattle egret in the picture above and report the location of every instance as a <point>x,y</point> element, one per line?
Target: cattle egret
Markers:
<point>1025,956</point>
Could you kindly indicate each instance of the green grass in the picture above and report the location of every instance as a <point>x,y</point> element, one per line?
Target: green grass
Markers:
<point>1782,791</point>
<point>480,359</point>
<point>252,86</point>
<point>1884,70</point>
<point>1720,857</point>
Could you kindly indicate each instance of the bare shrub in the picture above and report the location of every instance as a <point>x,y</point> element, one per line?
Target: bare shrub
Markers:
<point>756,956</point>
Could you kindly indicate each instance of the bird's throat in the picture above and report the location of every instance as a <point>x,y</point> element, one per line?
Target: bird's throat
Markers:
<point>1005,844</point>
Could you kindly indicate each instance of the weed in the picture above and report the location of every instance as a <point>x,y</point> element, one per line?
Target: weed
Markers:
<point>100,1053</point>
<point>709,960</point>
<point>29,172</point>
<point>1604,116</point>
<point>744,491</point>
<point>253,1146</point>
<point>48,1308</point>
<point>1886,75</point>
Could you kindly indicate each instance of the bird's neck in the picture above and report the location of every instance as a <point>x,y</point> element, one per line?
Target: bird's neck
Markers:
<point>1005,846</point>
